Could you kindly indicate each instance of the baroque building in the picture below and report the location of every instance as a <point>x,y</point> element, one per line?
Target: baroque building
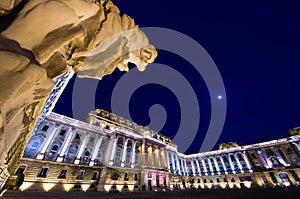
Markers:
<point>108,152</point>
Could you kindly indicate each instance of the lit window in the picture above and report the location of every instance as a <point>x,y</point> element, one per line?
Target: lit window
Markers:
<point>62,174</point>
<point>80,175</point>
<point>43,172</point>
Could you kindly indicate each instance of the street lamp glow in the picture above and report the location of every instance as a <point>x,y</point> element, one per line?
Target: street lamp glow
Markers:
<point>220,97</point>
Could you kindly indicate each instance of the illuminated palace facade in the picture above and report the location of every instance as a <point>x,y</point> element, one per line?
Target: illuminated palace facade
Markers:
<point>108,152</point>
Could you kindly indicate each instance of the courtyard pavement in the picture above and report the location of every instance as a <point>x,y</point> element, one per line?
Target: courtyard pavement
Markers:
<point>266,193</point>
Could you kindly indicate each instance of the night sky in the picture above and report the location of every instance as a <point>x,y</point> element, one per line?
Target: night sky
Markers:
<point>256,48</point>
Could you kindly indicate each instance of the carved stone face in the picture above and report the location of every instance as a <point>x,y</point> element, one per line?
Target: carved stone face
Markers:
<point>130,46</point>
<point>141,58</point>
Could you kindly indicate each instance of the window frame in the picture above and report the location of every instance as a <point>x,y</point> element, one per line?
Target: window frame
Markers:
<point>40,172</point>
<point>97,175</point>
<point>80,177</point>
<point>62,176</point>
<point>45,126</point>
<point>17,171</point>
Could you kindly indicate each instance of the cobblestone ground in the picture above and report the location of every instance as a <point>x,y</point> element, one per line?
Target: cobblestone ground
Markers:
<point>273,193</point>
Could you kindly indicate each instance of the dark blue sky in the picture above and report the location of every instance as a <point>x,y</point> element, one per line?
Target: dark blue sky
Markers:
<point>256,48</point>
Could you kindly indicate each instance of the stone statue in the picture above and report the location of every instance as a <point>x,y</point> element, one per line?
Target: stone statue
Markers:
<point>51,37</point>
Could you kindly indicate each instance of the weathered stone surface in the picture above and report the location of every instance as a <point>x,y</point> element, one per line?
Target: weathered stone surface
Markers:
<point>50,37</point>
<point>22,82</point>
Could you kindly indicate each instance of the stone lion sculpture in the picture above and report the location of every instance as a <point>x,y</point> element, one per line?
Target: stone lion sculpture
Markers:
<point>51,37</point>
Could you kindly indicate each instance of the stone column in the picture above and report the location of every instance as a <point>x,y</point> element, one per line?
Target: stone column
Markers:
<point>173,161</point>
<point>177,163</point>
<point>95,151</point>
<point>152,157</point>
<point>193,167</point>
<point>223,164</point>
<point>133,154</point>
<point>168,160</point>
<point>180,170</point>
<point>297,146</point>
<point>264,158</point>
<point>182,167</point>
<point>231,164</point>
<point>143,153</point>
<point>112,155</point>
<point>280,158</point>
<point>216,164</point>
<point>81,149</point>
<point>163,158</point>
<point>198,167</point>
<point>185,167</point>
<point>102,179</point>
<point>124,153</point>
<point>247,162</point>
<point>204,167</point>
<point>238,162</point>
<point>158,158</point>
<point>47,142</point>
<point>65,145</point>
<point>210,166</point>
